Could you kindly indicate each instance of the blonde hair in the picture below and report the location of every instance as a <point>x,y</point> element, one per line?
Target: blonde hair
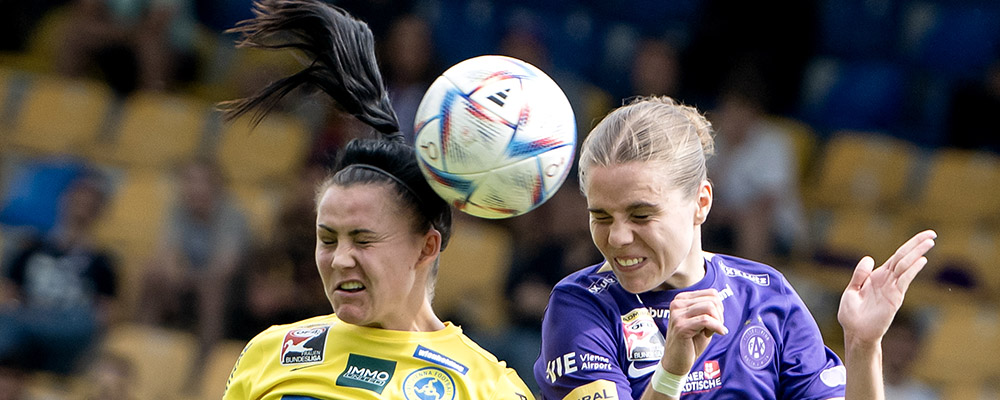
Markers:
<point>675,137</point>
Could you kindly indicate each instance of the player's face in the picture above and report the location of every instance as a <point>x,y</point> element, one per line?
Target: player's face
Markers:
<point>372,263</point>
<point>648,231</point>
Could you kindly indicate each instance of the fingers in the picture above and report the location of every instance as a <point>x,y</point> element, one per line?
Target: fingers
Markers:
<point>699,311</point>
<point>910,273</point>
<point>915,247</point>
<point>861,273</point>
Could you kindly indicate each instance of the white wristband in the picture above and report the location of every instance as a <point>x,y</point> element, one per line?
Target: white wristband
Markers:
<point>667,383</point>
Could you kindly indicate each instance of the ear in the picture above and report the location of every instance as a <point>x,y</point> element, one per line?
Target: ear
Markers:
<point>703,202</point>
<point>431,248</point>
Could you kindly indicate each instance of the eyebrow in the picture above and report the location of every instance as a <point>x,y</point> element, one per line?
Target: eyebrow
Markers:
<point>631,207</point>
<point>351,233</point>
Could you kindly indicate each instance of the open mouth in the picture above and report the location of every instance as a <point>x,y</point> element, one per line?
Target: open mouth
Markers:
<point>351,286</point>
<point>628,262</point>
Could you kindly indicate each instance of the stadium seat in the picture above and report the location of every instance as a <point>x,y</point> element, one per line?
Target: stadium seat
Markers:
<point>156,130</point>
<point>856,95</point>
<point>961,186</point>
<point>60,116</point>
<point>270,151</point>
<point>134,220</point>
<point>965,255</point>
<point>859,29</point>
<point>218,366</point>
<point>261,204</point>
<point>861,169</point>
<point>855,233</point>
<point>951,39</point>
<point>478,249</point>
<point>960,349</point>
<point>162,358</point>
<point>804,142</point>
<point>43,43</point>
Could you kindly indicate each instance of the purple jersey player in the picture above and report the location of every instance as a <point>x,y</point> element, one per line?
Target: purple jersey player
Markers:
<point>660,318</point>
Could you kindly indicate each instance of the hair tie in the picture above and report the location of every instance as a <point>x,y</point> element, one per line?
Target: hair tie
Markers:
<point>391,176</point>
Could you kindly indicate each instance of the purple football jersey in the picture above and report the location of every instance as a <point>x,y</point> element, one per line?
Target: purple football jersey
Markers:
<point>594,330</point>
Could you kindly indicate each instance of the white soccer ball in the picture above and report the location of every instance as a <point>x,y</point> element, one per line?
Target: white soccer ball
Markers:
<point>495,136</point>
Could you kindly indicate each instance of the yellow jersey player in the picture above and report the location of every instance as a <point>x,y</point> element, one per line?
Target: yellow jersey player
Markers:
<point>379,231</point>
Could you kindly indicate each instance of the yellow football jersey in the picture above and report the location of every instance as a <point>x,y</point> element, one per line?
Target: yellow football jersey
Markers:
<point>324,358</point>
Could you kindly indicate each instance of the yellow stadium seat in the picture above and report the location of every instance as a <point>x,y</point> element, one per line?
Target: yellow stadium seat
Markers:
<point>156,130</point>
<point>133,222</point>
<point>261,205</point>
<point>962,186</point>
<point>960,348</point>
<point>804,142</point>
<point>861,169</point>
<point>60,116</point>
<point>218,366</point>
<point>270,151</point>
<point>43,44</point>
<point>481,250</point>
<point>163,358</point>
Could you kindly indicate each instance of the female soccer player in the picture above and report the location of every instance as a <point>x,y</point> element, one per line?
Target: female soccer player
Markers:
<point>379,231</point>
<point>660,317</point>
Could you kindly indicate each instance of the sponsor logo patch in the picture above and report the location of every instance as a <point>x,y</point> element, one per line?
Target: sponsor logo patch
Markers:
<point>712,370</point>
<point>759,279</point>
<point>429,355</point>
<point>756,347</point>
<point>367,373</point>
<point>643,340</point>
<point>304,345</point>
<point>430,383</point>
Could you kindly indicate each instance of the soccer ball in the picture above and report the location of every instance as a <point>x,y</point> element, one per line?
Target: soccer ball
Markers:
<point>495,136</point>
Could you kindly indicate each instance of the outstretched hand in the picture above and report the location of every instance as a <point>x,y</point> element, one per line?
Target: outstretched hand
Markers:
<point>872,298</point>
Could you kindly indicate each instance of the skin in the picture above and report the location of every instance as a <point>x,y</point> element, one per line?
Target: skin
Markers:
<point>360,238</point>
<point>635,215</point>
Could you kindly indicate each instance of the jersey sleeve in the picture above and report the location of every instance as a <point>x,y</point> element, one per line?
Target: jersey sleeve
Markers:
<point>579,358</point>
<point>511,387</point>
<point>238,387</point>
<point>808,369</point>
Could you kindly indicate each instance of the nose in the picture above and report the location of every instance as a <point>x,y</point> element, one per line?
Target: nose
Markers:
<point>343,257</point>
<point>620,234</point>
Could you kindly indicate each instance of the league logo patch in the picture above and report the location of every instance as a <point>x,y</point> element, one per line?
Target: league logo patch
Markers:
<point>643,340</point>
<point>712,369</point>
<point>756,347</point>
<point>430,383</point>
<point>304,345</point>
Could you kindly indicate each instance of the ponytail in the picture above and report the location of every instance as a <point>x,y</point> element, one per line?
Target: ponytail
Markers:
<point>342,53</point>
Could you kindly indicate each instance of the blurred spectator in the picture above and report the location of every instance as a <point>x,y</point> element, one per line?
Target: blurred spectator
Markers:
<point>655,69</point>
<point>134,44</point>
<point>280,284</point>
<point>972,117</point>
<point>757,211</point>
<point>110,377</point>
<point>188,282</point>
<point>409,67</point>
<point>901,347</point>
<point>57,293</point>
<point>552,242</point>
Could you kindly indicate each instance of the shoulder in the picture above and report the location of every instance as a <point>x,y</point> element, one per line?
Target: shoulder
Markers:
<point>741,272</point>
<point>276,333</point>
<point>595,280</point>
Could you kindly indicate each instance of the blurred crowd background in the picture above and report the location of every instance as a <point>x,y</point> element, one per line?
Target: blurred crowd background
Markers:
<point>144,241</point>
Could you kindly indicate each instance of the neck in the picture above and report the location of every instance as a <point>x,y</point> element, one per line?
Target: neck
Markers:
<point>691,269</point>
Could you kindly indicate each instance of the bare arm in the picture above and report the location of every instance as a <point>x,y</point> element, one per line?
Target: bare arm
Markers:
<point>867,308</point>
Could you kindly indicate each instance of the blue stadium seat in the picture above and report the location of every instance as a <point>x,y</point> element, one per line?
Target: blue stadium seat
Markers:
<point>859,29</point>
<point>860,95</point>
<point>957,40</point>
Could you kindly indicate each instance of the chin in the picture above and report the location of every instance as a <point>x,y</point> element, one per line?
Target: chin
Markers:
<point>351,315</point>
